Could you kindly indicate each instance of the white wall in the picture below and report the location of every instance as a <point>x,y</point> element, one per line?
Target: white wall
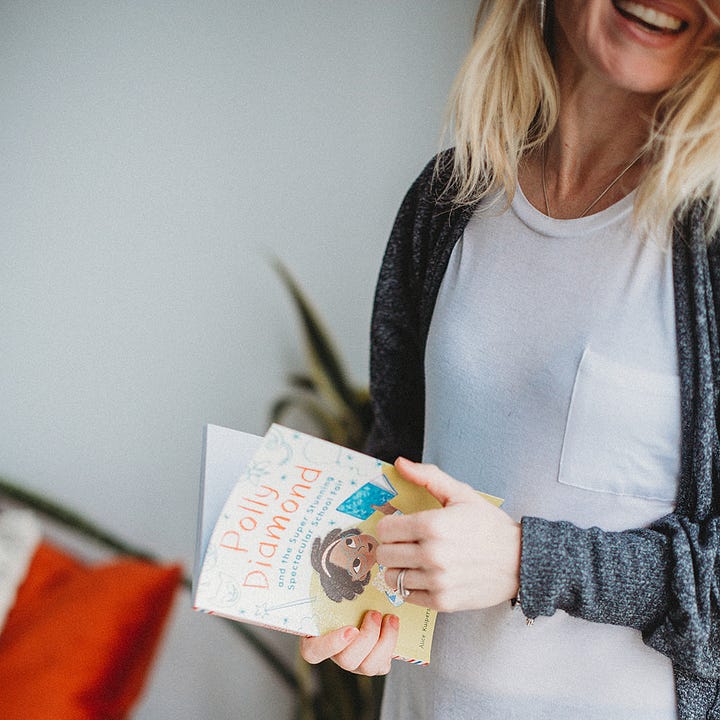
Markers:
<point>154,153</point>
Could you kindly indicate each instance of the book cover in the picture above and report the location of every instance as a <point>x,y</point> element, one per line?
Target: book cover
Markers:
<point>286,537</point>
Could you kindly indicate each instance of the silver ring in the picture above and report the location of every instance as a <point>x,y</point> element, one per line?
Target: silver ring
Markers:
<point>402,591</point>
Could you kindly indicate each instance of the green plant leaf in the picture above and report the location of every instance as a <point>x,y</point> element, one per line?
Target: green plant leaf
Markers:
<point>302,382</point>
<point>326,365</point>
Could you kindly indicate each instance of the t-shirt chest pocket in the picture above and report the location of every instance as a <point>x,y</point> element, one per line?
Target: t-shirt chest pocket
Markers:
<point>622,433</point>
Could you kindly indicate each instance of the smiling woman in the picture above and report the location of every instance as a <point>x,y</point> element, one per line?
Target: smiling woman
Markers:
<point>627,87</point>
<point>645,48</point>
<point>545,329</point>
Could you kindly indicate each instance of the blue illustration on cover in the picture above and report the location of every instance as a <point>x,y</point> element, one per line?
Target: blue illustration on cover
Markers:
<point>364,501</point>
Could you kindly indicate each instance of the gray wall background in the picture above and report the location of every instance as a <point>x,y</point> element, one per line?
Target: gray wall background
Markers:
<point>154,155</point>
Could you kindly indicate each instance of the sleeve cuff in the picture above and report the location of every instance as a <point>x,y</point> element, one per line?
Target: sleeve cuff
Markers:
<point>546,567</point>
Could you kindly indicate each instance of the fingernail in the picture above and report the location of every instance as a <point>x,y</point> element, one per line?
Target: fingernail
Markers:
<point>394,621</point>
<point>350,633</point>
<point>374,617</point>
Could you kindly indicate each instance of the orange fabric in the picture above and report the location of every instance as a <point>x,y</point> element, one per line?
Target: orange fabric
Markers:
<point>80,639</point>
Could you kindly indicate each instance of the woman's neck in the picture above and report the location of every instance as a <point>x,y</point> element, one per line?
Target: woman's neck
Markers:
<point>599,125</point>
<point>599,132</point>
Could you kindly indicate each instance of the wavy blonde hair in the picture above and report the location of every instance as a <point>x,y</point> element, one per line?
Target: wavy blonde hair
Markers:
<point>504,102</point>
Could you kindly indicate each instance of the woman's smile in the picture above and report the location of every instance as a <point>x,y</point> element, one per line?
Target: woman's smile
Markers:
<point>642,46</point>
<point>650,19</point>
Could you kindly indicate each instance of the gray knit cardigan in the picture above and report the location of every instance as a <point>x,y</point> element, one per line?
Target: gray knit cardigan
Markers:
<point>662,580</point>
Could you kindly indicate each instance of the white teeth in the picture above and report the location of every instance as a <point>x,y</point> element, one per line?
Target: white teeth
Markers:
<point>649,16</point>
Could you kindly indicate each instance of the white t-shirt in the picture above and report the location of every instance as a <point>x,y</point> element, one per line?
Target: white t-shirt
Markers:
<point>551,381</point>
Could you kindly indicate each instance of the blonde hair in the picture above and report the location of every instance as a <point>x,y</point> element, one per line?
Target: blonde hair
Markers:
<point>504,102</point>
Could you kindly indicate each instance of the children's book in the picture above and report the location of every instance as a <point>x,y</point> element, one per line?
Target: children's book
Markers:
<point>286,535</point>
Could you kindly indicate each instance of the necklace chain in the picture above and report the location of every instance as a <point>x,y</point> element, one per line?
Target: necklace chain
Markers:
<point>609,187</point>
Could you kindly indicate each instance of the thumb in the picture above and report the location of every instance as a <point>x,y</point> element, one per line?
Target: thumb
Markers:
<point>439,484</point>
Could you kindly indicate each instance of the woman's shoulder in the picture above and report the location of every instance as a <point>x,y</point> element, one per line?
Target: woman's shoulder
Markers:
<point>430,198</point>
<point>434,181</point>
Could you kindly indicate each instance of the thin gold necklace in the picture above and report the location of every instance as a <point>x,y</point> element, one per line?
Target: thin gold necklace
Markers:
<point>600,196</point>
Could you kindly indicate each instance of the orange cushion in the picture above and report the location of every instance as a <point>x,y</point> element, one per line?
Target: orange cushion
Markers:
<point>80,639</point>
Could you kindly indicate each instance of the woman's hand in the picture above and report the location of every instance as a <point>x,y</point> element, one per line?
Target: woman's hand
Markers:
<point>462,556</point>
<point>366,650</point>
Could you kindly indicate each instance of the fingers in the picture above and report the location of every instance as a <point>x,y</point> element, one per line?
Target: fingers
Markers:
<point>371,652</point>
<point>444,488</point>
<point>412,580</point>
<point>399,555</point>
<point>379,660</point>
<point>421,525</point>
<point>397,529</point>
<point>367,650</point>
<point>317,649</point>
<point>422,598</point>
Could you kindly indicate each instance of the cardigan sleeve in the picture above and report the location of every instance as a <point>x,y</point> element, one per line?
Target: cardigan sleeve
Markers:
<point>397,384</point>
<point>661,580</point>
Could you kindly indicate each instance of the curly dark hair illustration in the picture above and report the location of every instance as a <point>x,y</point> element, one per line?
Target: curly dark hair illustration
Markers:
<point>336,581</point>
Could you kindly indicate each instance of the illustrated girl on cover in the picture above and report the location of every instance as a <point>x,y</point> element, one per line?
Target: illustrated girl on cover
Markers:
<point>344,559</point>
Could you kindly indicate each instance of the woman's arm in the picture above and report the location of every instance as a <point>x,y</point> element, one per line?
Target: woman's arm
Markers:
<point>662,581</point>
<point>397,383</point>
<point>469,555</point>
<point>426,229</point>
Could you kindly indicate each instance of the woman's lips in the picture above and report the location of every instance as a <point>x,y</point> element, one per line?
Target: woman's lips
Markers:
<point>650,18</point>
